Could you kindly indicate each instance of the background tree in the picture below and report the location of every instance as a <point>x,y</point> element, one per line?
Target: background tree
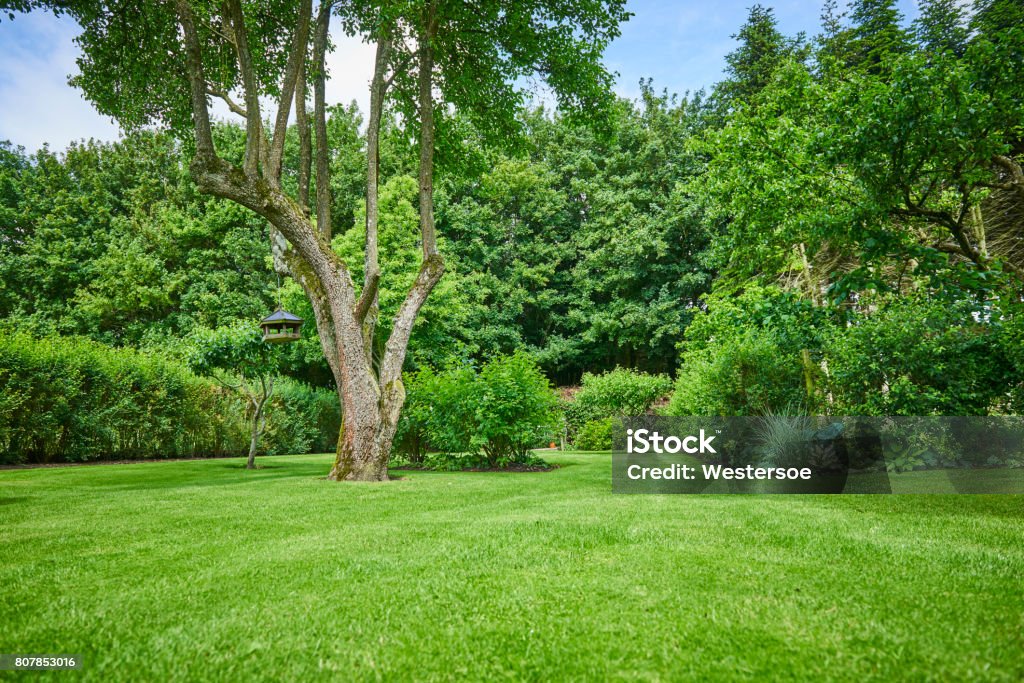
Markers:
<point>990,18</point>
<point>113,241</point>
<point>876,35</point>
<point>762,49</point>
<point>942,27</point>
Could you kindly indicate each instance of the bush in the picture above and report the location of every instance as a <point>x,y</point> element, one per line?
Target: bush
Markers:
<point>501,412</point>
<point>744,355</point>
<point>747,375</point>
<point>418,430</point>
<point>915,357</point>
<point>516,409</point>
<point>595,435</point>
<point>301,419</point>
<point>620,392</point>
<point>72,400</point>
<point>1012,346</point>
<point>458,462</point>
<point>67,399</point>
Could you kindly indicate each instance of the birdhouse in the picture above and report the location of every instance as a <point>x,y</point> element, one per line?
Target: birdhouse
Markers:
<point>281,327</point>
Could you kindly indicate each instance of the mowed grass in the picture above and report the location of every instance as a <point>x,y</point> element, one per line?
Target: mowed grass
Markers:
<point>202,570</point>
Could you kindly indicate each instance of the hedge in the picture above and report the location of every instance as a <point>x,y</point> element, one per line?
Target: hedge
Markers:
<point>67,399</point>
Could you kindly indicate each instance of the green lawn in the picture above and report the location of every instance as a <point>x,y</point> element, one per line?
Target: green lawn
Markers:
<point>203,571</point>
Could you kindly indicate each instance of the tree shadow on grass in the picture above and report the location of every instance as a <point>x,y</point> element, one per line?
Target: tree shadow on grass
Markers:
<point>200,473</point>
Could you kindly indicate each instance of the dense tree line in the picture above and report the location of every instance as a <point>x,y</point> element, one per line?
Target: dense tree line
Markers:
<point>578,246</point>
<point>837,226</point>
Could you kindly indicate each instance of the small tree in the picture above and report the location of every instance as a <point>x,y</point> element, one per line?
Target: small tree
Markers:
<point>238,358</point>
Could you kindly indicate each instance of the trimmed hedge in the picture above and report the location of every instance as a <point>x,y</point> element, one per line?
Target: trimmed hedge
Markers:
<point>67,399</point>
<point>301,419</point>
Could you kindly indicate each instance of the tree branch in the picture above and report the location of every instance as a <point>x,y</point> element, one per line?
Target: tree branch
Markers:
<point>1015,171</point>
<point>367,298</point>
<point>954,225</point>
<point>253,117</point>
<point>432,267</point>
<point>305,145</point>
<point>430,273</point>
<point>301,272</point>
<point>426,102</point>
<point>400,67</point>
<point>219,178</point>
<point>219,378</point>
<point>323,171</point>
<point>371,269</point>
<point>197,81</point>
<point>297,54</point>
<point>235,107</point>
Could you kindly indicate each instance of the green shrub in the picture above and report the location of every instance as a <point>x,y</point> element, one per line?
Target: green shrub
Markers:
<point>412,437</point>
<point>457,462</point>
<point>746,375</point>
<point>516,408</point>
<point>67,399</point>
<point>71,400</point>
<point>620,392</point>
<point>744,355</point>
<point>913,357</point>
<point>501,412</point>
<point>595,435</point>
<point>301,419</point>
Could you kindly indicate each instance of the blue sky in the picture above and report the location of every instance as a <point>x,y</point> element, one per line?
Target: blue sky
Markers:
<point>680,43</point>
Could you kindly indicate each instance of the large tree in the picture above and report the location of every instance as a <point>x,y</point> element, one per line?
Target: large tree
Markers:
<point>147,62</point>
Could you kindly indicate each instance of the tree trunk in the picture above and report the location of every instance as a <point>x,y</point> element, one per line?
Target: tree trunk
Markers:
<point>367,432</point>
<point>256,432</point>
<point>254,438</point>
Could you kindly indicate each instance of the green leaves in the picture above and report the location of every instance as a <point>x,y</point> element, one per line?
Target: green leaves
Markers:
<point>112,241</point>
<point>920,357</point>
<point>876,164</point>
<point>503,410</point>
<point>237,349</point>
<point>621,392</point>
<point>439,333</point>
<point>67,399</point>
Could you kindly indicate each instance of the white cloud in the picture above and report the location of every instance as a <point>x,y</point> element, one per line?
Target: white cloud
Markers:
<point>349,70</point>
<point>36,103</point>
